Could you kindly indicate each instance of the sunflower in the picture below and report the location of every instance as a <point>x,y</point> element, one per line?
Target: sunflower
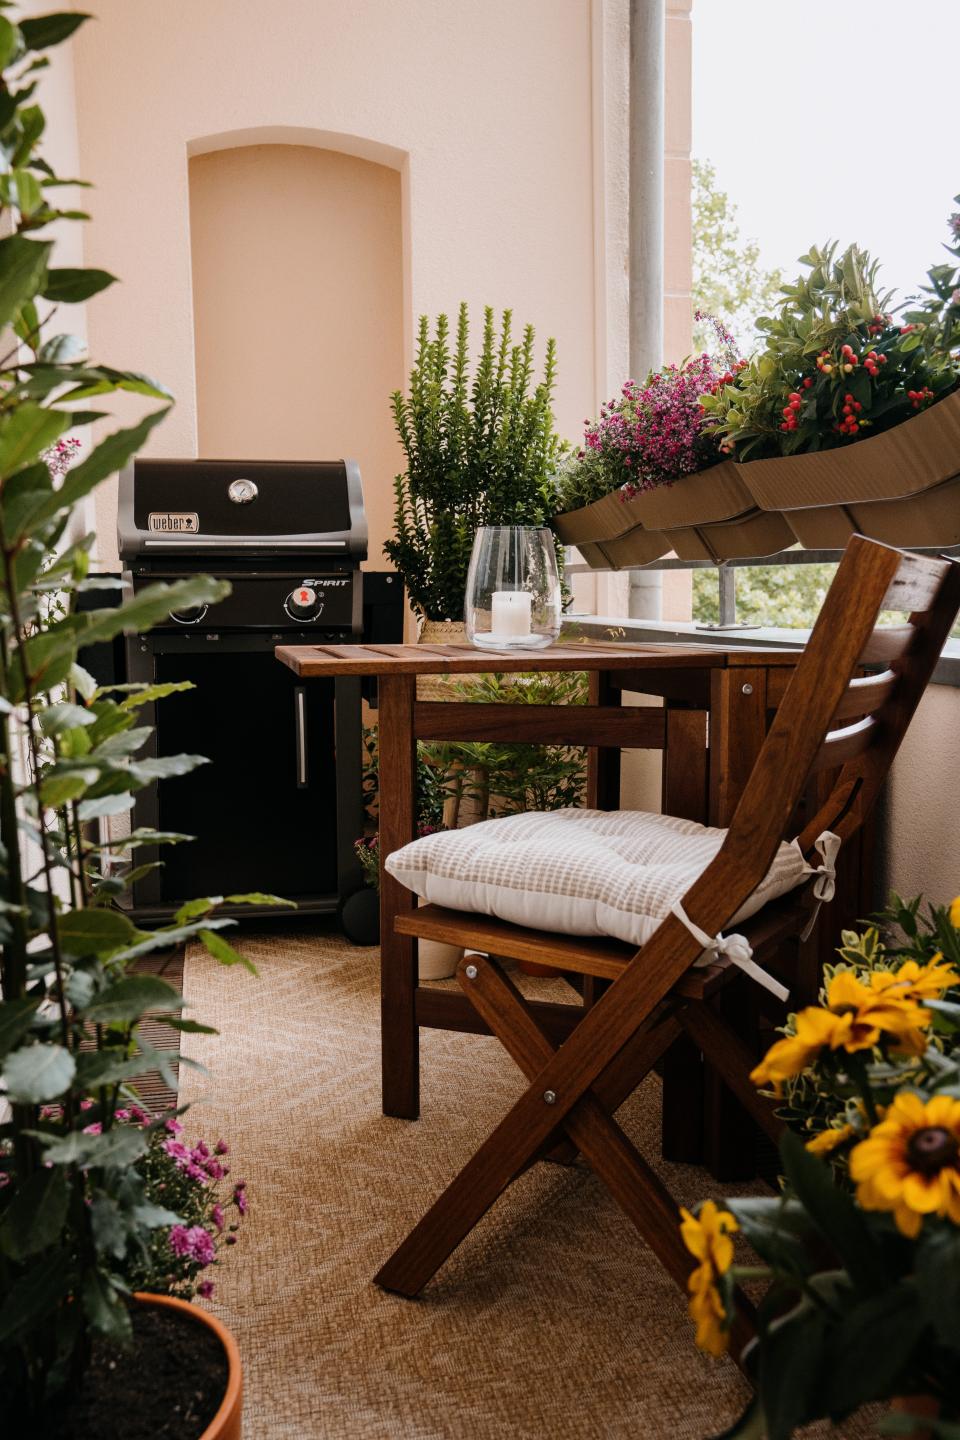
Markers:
<point>910,1163</point>
<point>855,1017</point>
<point>915,981</point>
<point>707,1237</point>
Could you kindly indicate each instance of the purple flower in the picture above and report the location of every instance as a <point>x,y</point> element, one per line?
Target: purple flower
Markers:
<point>177,1151</point>
<point>222,1148</point>
<point>217,1216</point>
<point>240,1198</point>
<point>173,1126</point>
<point>139,1116</point>
<point>205,1289</point>
<point>194,1243</point>
<point>214,1169</point>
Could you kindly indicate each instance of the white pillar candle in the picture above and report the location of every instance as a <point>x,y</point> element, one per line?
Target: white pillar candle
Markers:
<point>510,612</point>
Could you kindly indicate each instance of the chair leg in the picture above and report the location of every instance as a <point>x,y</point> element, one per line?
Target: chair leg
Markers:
<point>615,1160</point>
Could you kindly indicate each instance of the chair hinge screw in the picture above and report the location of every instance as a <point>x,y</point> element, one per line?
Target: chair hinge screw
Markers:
<point>550,1097</point>
<point>748,689</point>
<point>471,972</point>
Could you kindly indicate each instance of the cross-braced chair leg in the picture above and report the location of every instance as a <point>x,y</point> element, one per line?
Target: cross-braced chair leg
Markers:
<point>589,1126</point>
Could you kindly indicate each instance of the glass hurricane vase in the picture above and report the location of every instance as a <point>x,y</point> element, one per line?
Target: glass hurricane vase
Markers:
<point>513,589</point>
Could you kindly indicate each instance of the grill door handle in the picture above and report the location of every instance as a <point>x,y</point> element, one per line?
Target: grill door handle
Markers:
<point>300,729</point>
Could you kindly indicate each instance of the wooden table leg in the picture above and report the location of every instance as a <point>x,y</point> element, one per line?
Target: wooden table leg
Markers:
<point>399,1033</point>
<point>603,764</point>
<point>738,726</point>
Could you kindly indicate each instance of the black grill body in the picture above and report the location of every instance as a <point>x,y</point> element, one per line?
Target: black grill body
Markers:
<point>279,807</point>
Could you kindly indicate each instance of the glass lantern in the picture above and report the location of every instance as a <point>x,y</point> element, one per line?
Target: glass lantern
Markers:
<point>513,589</point>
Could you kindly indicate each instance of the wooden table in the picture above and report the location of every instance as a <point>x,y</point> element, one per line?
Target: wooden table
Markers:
<point>717,704</point>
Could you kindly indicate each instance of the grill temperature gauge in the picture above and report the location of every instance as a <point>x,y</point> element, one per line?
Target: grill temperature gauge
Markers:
<point>303,603</point>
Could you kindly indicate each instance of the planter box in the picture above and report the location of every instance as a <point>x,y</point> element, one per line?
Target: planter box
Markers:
<point>637,547</point>
<point>752,535</point>
<point>603,520</point>
<point>909,459</point>
<point>929,519</point>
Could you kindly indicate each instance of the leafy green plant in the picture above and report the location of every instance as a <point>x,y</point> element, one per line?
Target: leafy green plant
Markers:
<point>835,367</point>
<point>480,451</point>
<point>862,1247</point>
<point>74,1206</point>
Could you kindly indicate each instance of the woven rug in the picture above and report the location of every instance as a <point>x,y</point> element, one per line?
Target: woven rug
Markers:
<point>552,1320</point>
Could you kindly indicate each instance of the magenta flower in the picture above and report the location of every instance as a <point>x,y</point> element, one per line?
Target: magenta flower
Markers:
<point>194,1243</point>
<point>240,1199</point>
<point>222,1148</point>
<point>217,1216</point>
<point>95,1129</point>
<point>205,1289</point>
<point>173,1126</point>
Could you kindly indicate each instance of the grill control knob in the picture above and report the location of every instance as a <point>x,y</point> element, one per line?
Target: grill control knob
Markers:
<point>303,603</point>
<point>189,615</point>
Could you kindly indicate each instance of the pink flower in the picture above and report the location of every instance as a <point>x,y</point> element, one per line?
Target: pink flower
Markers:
<point>240,1199</point>
<point>178,1152</point>
<point>217,1216</point>
<point>194,1244</point>
<point>205,1289</point>
<point>121,1114</point>
<point>139,1116</point>
<point>95,1129</point>
<point>214,1170</point>
<point>86,1104</point>
<point>222,1148</point>
<point>173,1126</point>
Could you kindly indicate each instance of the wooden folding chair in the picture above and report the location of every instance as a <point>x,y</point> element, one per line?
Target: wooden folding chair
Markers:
<point>827,718</point>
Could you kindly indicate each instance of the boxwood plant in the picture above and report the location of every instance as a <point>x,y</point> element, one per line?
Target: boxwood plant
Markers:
<point>73,1209</point>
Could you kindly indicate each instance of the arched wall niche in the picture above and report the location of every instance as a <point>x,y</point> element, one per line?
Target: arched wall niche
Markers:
<point>298,276</point>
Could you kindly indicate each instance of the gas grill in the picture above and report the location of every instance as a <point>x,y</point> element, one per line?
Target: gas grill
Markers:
<point>280,807</point>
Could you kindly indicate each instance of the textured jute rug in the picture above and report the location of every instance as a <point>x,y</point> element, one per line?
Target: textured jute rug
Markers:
<point>552,1320</point>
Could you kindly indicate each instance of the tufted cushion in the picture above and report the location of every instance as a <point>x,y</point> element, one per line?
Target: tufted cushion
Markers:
<point>578,872</point>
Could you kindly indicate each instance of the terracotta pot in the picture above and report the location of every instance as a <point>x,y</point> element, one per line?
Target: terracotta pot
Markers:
<point>913,457</point>
<point>924,1405</point>
<point>227,1423</point>
<point>755,534</point>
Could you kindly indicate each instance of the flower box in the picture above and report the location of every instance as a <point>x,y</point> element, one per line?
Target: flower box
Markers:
<point>758,533</point>
<point>907,460</point>
<point>603,520</point>
<point>637,547</point>
<point>929,519</point>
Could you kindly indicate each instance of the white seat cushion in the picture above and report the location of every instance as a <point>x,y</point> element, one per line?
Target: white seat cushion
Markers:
<point>577,872</point>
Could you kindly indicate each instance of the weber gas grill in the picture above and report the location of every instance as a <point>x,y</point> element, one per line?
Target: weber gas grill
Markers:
<point>279,807</point>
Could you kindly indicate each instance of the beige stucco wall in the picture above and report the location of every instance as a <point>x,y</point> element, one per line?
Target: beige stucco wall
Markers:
<point>921,849</point>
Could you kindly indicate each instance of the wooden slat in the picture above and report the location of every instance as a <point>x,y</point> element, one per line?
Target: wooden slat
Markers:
<point>448,1010</point>
<point>916,584</point>
<point>629,728</point>
<point>886,644</point>
<point>319,660</point>
<point>866,694</point>
<point>583,954</point>
<point>738,726</point>
<point>603,762</point>
<point>685,781</point>
<point>400,1057</point>
<point>846,744</point>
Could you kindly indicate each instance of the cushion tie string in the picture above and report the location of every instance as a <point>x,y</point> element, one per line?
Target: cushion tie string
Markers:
<point>827,846</point>
<point>735,947</point>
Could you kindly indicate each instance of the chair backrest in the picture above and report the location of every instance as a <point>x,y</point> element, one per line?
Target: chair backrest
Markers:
<point>831,715</point>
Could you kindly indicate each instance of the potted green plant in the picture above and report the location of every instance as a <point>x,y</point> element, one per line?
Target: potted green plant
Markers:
<point>480,449</point>
<point>75,1205</point>
<point>862,1246</point>
<point>849,417</point>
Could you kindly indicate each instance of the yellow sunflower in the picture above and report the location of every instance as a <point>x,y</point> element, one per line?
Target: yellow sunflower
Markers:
<point>910,1163</point>
<point>707,1237</point>
<point>915,981</point>
<point>855,1017</point>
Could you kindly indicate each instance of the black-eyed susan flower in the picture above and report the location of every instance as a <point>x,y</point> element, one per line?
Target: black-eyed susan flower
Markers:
<point>707,1237</point>
<point>955,912</point>
<point>916,981</point>
<point>855,1017</point>
<point>909,1164</point>
<point>829,1140</point>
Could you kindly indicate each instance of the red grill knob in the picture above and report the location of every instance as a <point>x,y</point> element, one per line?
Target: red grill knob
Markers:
<point>303,603</point>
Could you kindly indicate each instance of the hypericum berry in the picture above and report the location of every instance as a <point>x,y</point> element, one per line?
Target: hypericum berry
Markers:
<point>808,382</point>
<point>827,369</point>
<point>846,349</point>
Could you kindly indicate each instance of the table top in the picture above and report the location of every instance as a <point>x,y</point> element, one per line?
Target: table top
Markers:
<point>333,660</point>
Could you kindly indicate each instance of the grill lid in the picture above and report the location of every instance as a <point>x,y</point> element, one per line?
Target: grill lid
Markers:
<point>263,506</point>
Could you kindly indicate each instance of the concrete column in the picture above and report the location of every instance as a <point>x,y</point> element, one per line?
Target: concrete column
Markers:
<point>647,70</point>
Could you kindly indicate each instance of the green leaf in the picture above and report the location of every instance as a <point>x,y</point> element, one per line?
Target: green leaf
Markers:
<point>35,1218</point>
<point>108,457</point>
<point>95,932</point>
<point>257,897</point>
<point>104,1308</point>
<point>117,1148</point>
<point>61,350</point>
<point>25,433</point>
<point>791,1358</point>
<point>35,1294</point>
<point>131,997</point>
<point>166,938</point>
<point>69,287</point>
<point>834,1213</point>
<point>64,716</point>
<point>9,40</point>
<point>151,605</point>
<point>22,264</point>
<point>16,1017</point>
<point>193,908</point>
<point>938,1278</point>
<point>83,682</point>
<point>38,1072</point>
<point>137,694</point>
<point>109,1226</point>
<point>221,950</point>
<point>188,1027</point>
<point>47,30</point>
<point>153,1216</point>
<point>57,789</point>
<point>109,805</point>
<point>109,1066</point>
<point>872,1348</point>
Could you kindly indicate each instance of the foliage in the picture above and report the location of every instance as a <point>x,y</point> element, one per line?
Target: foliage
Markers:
<point>431,795</point>
<point>192,1181</point>
<point>74,1206</point>
<point>786,595</point>
<point>480,451</point>
<point>505,777</point>
<point>651,434</point>
<point>862,1247</point>
<point>728,278</point>
<point>836,366</point>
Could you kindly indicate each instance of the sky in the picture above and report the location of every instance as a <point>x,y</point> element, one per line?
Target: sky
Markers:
<point>833,119</point>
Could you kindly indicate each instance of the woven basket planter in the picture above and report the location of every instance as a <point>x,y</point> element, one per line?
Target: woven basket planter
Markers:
<point>910,459</point>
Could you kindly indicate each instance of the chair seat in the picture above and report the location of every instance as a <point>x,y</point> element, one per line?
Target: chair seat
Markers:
<point>614,874</point>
